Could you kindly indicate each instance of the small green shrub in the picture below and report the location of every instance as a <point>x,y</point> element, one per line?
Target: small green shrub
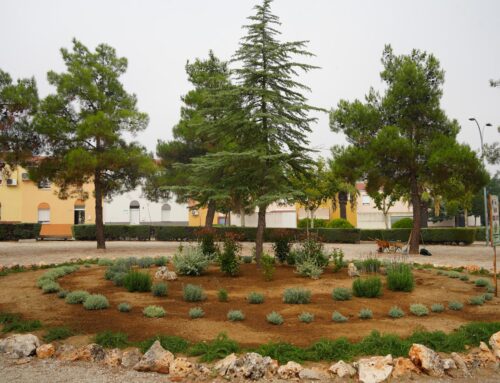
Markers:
<point>403,223</point>
<point>118,278</point>
<point>109,339</point>
<point>50,287</point>
<point>145,262</point>
<point>137,281</point>
<point>338,317</point>
<point>339,223</point>
<point>172,343</point>
<point>104,262</point>
<point>274,318</point>
<point>160,289</point>
<point>255,298</point>
<point>488,296</point>
<point>400,277</point>
<point>437,308</point>
<point>247,259</point>
<point>464,277</point>
<point>161,261</point>
<point>124,307</point>
<point>396,312</point>
<point>282,245</point>
<point>20,325</point>
<point>57,333</point>
<point>190,260</point>
<point>62,294</point>
<point>477,300</point>
<point>455,305</point>
<point>206,238</point>
<point>196,312</point>
<point>365,314</point>
<point>297,295</point>
<point>96,302</point>
<point>370,287</point>
<point>419,309</point>
<point>341,294</point>
<point>371,265</point>
<point>454,274</point>
<point>490,289</point>
<point>309,268</point>
<point>218,348</point>
<point>268,266</point>
<point>193,293</point>
<point>481,282</point>
<point>222,295</point>
<point>228,259</point>
<point>76,297</point>
<point>337,257</point>
<point>311,250</point>
<point>306,317</point>
<point>154,312</point>
<point>235,315</point>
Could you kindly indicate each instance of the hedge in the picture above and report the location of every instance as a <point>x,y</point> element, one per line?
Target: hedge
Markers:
<point>113,232</point>
<point>17,231</point>
<point>466,235</point>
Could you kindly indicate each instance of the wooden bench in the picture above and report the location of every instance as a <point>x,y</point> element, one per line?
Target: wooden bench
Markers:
<point>56,231</point>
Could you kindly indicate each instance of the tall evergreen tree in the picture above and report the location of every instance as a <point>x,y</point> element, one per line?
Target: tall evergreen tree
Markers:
<point>83,125</point>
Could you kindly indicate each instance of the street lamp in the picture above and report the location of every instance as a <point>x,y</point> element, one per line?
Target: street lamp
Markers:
<point>481,133</point>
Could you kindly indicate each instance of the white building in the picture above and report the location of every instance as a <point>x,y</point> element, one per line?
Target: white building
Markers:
<point>133,208</point>
<point>278,216</point>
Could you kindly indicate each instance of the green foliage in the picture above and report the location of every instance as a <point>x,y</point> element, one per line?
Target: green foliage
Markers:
<point>453,274</point>
<point>341,294</point>
<point>400,277</point>
<point>16,324</point>
<point>218,348</point>
<point>371,264</point>
<point>50,287</point>
<point>190,260</point>
<point>306,317</point>
<point>337,257</point>
<point>396,312</point>
<point>255,298</point>
<point>145,262</point>
<point>419,309</point>
<point>339,223</point>
<point>62,294</point>
<point>437,308</point>
<point>193,293</point>
<point>124,307</point>
<point>477,300</point>
<point>105,262</point>
<point>370,287</point>
<point>161,261</point>
<point>268,266</point>
<point>282,245</point>
<point>76,297</point>
<point>137,281</point>
<point>403,223</point>
<point>113,232</point>
<point>17,231</point>
<point>307,222</point>
<point>109,339</point>
<point>274,318</point>
<point>222,295</point>
<point>338,317</point>
<point>488,296</point>
<point>57,333</point>
<point>228,259</point>
<point>196,312</point>
<point>309,269</point>
<point>206,238</point>
<point>235,315</point>
<point>247,259</point>
<point>365,314</point>
<point>172,343</point>
<point>154,312</point>
<point>455,305</point>
<point>159,289</point>
<point>311,250</point>
<point>481,282</point>
<point>96,302</point>
<point>464,277</point>
<point>296,295</point>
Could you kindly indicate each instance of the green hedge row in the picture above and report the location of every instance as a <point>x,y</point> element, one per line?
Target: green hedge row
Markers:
<point>113,232</point>
<point>17,231</point>
<point>466,235</point>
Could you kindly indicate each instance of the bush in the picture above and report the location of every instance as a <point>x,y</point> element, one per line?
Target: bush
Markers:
<point>154,312</point>
<point>113,232</point>
<point>218,348</point>
<point>403,223</point>
<point>481,282</point>
<point>105,262</point>
<point>124,307</point>
<point>206,238</point>
<point>429,235</point>
<point>396,312</point>
<point>62,294</point>
<point>437,308</point>
<point>247,259</point>
<point>190,260</point>
<point>419,309</point>
<point>96,302</point>
<point>338,317</point>
<point>464,277</point>
<point>311,250</point>
<point>306,222</point>
<point>371,265</point>
<point>196,312</point>
<point>17,231</point>
<point>337,257</point>
<point>57,333</point>
<point>306,317</point>
<point>268,267</point>
<point>193,293</point>
<point>137,281</point>
<point>477,300</point>
<point>119,278</point>
<point>309,269</point>
<point>274,318</point>
<point>367,287</point>
<point>454,274</point>
<point>365,314</point>
<point>341,294</point>
<point>455,305</point>
<point>50,287</point>
<point>228,259</point>
<point>235,315</point>
<point>488,296</point>
<point>297,295</point>
<point>400,277</point>
<point>77,296</point>
<point>145,262</point>
<point>160,289</point>
<point>282,245</point>
<point>222,295</point>
<point>339,223</point>
<point>255,298</point>
<point>109,339</point>
<point>16,324</point>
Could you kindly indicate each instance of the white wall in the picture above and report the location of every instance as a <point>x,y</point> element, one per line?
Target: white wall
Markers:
<point>118,210</point>
<point>276,216</point>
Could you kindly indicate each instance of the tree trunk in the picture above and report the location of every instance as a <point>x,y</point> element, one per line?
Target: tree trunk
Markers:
<point>242,215</point>
<point>99,224</point>
<point>416,205</point>
<point>424,213</point>
<point>466,217</point>
<point>386,221</point>
<point>312,218</point>
<point>259,238</point>
<point>209,220</point>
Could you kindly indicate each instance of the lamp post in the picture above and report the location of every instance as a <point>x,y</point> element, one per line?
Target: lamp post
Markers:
<point>481,132</point>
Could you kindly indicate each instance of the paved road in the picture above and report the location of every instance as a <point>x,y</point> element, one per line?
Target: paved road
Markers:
<point>28,252</point>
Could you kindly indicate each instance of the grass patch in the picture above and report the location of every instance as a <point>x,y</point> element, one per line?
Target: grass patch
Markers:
<point>136,281</point>
<point>57,333</point>
<point>21,325</point>
<point>154,312</point>
<point>370,287</point>
<point>109,339</point>
<point>218,348</point>
<point>341,294</point>
<point>174,344</point>
<point>255,298</point>
<point>297,295</point>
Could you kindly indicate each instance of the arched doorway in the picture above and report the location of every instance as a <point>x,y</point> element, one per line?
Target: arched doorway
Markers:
<point>79,212</point>
<point>165,212</point>
<point>135,213</point>
<point>43,213</point>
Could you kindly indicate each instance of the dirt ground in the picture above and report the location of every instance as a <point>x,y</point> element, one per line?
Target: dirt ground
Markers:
<point>28,252</point>
<point>18,293</point>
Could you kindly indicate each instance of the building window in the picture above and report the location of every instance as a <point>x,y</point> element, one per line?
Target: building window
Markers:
<point>44,184</point>
<point>43,213</point>
<point>165,212</point>
<point>79,213</point>
<point>135,213</point>
<point>365,199</point>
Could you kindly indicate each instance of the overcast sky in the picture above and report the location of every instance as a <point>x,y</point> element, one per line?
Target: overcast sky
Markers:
<point>347,37</point>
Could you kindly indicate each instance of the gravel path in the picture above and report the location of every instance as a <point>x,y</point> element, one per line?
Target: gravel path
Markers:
<point>28,252</point>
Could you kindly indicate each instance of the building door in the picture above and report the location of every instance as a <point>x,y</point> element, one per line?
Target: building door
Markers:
<point>44,213</point>
<point>135,213</point>
<point>165,212</point>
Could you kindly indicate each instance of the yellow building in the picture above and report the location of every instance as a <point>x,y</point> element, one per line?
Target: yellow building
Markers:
<point>22,200</point>
<point>343,209</point>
